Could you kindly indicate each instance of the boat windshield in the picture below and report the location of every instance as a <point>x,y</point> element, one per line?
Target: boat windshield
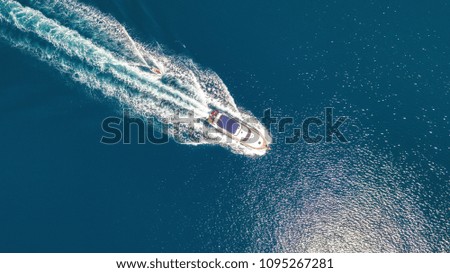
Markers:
<point>229,124</point>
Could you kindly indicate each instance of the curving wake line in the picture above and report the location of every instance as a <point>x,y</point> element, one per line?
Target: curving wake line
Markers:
<point>74,48</point>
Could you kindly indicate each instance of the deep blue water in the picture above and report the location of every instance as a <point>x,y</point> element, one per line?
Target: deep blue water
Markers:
<point>385,65</point>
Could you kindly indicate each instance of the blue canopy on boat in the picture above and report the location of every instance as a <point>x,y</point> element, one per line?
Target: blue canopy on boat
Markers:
<point>229,124</point>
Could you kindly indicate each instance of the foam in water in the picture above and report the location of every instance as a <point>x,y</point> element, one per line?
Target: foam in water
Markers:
<point>97,51</point>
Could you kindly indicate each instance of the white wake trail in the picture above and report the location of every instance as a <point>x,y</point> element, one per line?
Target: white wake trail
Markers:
<point>78,41</point>
<point>29,20</point>
<point>108,33</point>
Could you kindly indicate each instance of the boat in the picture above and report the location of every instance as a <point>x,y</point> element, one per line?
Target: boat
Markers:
<point>151,69</point>
<point>238,130</point>
<point>144,64</point>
